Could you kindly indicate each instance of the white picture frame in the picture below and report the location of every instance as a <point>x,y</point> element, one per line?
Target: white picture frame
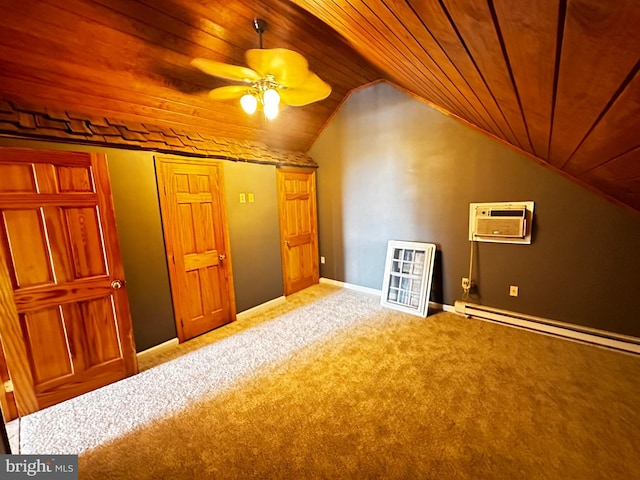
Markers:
<point>408,274</point>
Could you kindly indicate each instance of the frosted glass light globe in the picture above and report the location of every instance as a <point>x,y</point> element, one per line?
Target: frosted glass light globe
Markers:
<point>249,103</point>
<point>270,111</point>
<point>271,97</point>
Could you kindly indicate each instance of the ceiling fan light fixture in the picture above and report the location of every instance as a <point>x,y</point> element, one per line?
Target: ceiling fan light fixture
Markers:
<point>249,103</point>
<point>271,97</point>
<point>274,76</point>
<point>271,111</point>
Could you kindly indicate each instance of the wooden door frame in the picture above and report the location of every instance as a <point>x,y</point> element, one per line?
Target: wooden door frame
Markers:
<point>227,265</point>
<point>283,252</point>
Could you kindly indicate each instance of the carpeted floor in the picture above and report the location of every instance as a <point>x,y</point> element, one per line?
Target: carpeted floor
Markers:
<point>331,385</point>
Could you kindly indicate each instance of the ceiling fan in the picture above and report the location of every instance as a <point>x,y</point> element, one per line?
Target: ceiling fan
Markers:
<point>273,75</point>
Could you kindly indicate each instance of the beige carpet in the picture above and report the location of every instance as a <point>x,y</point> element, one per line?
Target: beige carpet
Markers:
<point>331,385</point>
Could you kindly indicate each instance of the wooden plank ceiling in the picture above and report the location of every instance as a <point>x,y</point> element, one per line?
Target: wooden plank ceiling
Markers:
<point>556,79</point>
<point>130,59</point>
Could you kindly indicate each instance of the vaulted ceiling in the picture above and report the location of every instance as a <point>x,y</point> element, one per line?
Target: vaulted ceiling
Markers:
<point>556,79</point>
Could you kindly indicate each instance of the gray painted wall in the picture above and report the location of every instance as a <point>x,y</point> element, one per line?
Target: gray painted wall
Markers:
<point>254,232</point>
<point>392,167</point>
<point>254,236</point>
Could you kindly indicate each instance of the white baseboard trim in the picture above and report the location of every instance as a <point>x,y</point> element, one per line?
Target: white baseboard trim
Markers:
<point>158,348</point>
<point>174,341</point>
<point>260,308</point>
<point>593,336</point>
<point>373,291</point>
<point>531,323</point>
<point>351,286</point>
<point>449,308</point>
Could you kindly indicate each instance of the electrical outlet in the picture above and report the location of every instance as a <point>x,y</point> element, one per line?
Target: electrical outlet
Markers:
<point>243,198</point>
<point>513,290</point>
<point>322,260</point>
<point>466,283</point>
<point>250,197</point>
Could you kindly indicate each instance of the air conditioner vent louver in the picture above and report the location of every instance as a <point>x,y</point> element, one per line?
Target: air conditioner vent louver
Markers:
<point>501,222</point>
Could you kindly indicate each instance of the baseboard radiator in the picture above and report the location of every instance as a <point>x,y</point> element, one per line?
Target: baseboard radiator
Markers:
<point>565,330</point>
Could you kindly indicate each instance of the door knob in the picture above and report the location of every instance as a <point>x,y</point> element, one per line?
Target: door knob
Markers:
<point>117,284</point>
<point>222,256</point>
<point>286,242</point>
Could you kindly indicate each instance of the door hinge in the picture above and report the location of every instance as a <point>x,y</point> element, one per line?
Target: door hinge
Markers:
<point>8,386</point>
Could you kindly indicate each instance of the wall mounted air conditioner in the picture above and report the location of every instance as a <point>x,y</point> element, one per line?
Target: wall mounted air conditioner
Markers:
<point>504,222</point>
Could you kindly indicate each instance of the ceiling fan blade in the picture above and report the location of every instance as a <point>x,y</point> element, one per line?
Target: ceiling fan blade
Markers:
<point>287,67</point>
<point>225,70</point>
<point>228,93</point>
<point>312,90</point>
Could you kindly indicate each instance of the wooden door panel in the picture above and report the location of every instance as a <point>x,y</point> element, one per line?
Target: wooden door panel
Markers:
<point>93,336</point>
<point>195,298</point>
<point>80,341</point>
<point>59,244</point>
<point>195,234</point>
<point>46,178</point>
<point>301,261</point>
<point>101,331</point>
<point>17,178</point>
<point>211,297</point>
<point>83,232</point>
<point>72,329</point>
<point>46,342</point>
<point>185,225</point>
<point>291,218</point>
<point>63,388</point>
<point>298,228</point>
<point>208,235</point>
<point>304,239</point>
<point>46,296</point>
<point>25,235</point>
<point>304,220</point>
<point>74,179</point>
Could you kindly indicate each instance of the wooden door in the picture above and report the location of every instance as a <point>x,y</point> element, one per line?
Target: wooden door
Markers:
<point>197,243</point>
<point>298,228</point>
<point>64,313</point>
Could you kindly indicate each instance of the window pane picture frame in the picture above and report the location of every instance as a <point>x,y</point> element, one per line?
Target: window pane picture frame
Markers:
<point>407,276</point>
